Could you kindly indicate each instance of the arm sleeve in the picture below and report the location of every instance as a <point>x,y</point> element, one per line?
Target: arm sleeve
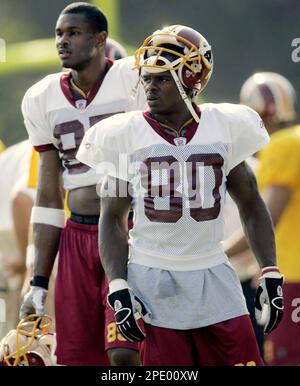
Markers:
<point>248,135</point>
<point>35,123</point>
<point>102,152</point>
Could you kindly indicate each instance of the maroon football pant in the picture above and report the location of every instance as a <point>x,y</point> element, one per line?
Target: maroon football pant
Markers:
<point>85,324</point>
<point>229,343</point>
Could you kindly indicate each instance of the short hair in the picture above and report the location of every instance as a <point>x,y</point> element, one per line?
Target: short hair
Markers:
<point>93,15</point>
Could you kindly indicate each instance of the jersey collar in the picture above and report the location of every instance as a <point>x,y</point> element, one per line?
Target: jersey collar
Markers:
<point>73,95</point>
<point>188,133</point>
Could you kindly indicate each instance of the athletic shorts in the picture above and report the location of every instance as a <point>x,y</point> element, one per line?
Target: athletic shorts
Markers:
<point>85,324</point>
<point>229,343</point>
<point>282,346</point>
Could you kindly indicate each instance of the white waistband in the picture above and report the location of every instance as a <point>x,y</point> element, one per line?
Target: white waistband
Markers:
<point>176,263</point>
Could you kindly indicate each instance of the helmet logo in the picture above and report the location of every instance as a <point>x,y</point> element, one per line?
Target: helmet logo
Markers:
<point>188,73</point>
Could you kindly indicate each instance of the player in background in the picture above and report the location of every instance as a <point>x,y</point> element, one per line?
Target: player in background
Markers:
<point>174,163</point>
<point>113,51</point>
<point>57,112</point>
<point>17,163</point>
<point>273,97</point>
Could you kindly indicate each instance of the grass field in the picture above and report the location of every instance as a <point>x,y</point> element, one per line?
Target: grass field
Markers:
<point>36,54</point>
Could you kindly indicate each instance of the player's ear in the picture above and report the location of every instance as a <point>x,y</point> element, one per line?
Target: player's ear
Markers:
<point>101,39</point>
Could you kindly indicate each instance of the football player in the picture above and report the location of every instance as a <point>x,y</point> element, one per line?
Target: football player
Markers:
<point>16,201</point>
<point>273,97</point>
<point>114,50</point>
<point>57,112</point>
<point>174,163</point>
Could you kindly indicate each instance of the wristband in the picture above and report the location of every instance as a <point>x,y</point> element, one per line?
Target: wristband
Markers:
<point>39,281</point>
<point>271,272</point>
<point>117,285</point>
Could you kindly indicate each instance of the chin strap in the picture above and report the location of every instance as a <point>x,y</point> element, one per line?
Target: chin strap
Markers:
<point>184,96</point>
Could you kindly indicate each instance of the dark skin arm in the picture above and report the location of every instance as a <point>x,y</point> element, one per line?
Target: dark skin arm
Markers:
<point>50,195</point>
<point>113,228</point>
<point>256,220</point>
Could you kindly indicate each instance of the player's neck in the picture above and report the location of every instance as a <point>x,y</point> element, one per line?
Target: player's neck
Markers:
<point>175,120</point>
<point>86,78</point>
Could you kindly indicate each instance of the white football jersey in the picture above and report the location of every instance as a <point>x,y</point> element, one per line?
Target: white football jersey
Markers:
<point>15,166</point>
<point>178,185</point>
<point>53,118</point>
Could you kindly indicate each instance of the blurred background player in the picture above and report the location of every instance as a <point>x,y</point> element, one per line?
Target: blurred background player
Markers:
<point>273,97</point>
<point>18,164</point>
<point>57,111</point>
<point>114,50</point>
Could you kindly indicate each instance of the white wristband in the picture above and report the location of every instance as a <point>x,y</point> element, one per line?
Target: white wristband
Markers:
<point>271,272</point>
<point>48,216</point>
<point>117,285</point>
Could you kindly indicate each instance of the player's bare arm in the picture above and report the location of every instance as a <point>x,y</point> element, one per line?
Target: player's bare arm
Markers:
<point>257,223</point>
<point>49,195</point>
<point>113,224</point>
<point>47,218</point>
<point>258,227</point>
<point>113,245</point>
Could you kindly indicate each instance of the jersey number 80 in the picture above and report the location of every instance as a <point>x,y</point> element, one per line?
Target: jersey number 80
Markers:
<point>170,188</point>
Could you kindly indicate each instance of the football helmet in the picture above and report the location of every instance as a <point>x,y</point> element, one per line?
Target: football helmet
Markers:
<point>114,50</point>
<point>30,344</point>
<point>271,95</point>
<point>182,51</point>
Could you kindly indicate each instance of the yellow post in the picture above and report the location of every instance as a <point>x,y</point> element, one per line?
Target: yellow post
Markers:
<point>111,10</point>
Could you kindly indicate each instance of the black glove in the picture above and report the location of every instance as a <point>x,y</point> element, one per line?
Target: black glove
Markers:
<point>269,293</point>
<point>129,310</point>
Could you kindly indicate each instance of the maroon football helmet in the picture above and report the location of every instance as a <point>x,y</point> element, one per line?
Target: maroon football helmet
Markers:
<point>114,50</point>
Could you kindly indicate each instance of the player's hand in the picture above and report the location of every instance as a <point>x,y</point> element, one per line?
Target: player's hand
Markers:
<point>269,293</point>
<point>129,311</point>
<point>34,302</point>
